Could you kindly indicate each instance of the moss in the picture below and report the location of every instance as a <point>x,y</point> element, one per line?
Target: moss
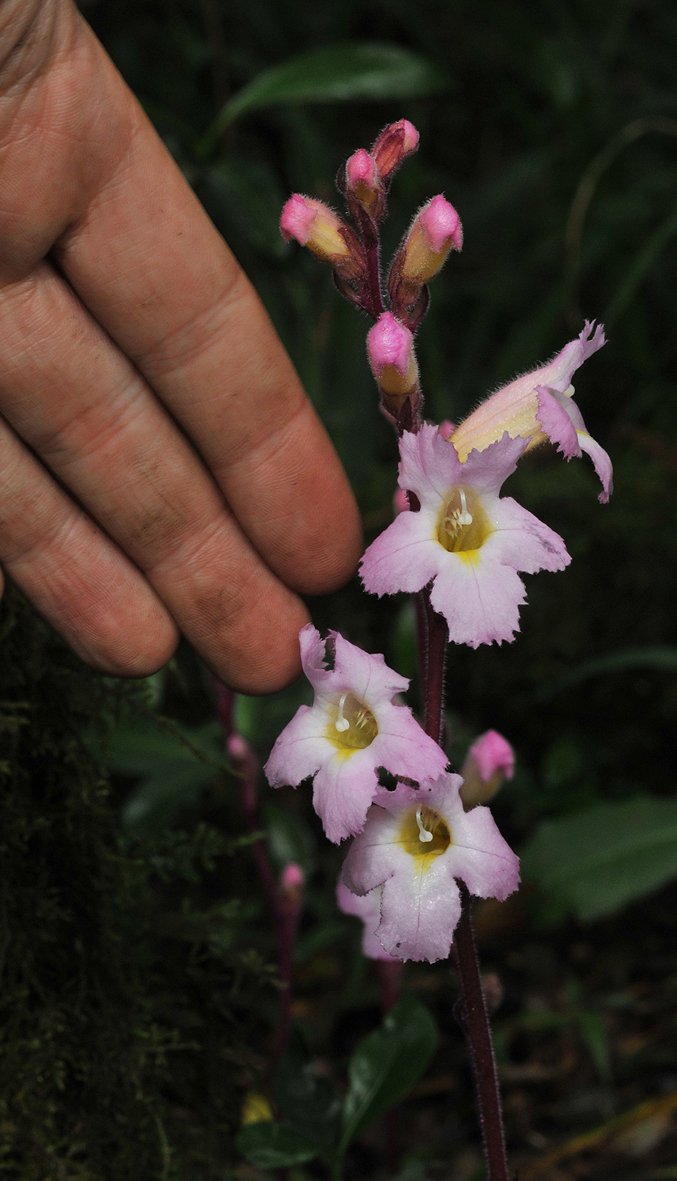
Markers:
<point>123,1031</point>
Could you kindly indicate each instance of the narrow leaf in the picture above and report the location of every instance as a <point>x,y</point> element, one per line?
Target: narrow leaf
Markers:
<point>333,73</point>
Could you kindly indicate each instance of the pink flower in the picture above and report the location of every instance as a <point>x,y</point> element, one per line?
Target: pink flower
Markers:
<point>367,908</point>
<point>353,729</point>
<point>465,538</point>
<point>394,144</point>
<point>415,845</point>
<point>489,761</point>
<point>540,405</point>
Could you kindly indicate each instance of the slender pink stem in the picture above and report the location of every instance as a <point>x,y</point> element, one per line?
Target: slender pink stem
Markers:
<point>389,975</point>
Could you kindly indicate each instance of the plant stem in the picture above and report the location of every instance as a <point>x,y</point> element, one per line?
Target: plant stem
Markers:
<point>286,908</point>
<point>372,253</point>
<point>475,1018</point>
<point>475,1023</point>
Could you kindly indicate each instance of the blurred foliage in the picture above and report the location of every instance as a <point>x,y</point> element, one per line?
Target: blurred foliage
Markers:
<point>554,132</point>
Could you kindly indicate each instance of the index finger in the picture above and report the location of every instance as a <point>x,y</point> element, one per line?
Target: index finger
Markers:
<point>200,336</point>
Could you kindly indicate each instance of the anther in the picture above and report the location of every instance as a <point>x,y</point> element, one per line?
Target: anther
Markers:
<point>342,723</point>
<point>464,517</point>
<point>423,834</point>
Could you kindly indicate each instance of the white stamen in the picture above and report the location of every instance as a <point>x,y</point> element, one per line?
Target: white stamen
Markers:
<point>464,517</point>
<point>423,834</point>
<point>342,723</point>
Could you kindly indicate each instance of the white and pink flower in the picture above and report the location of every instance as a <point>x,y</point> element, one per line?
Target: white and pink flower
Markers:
<point>415,845</point>
<point>465,539</point>
<point>353,729</point>
<point>539,406</point>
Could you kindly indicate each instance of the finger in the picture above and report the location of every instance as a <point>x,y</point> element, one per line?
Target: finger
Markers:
<point>75,576</point>
<point>202,339</point>
<point>69,392</point>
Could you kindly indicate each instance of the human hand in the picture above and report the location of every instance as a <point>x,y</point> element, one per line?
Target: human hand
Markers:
<point>160,465</point>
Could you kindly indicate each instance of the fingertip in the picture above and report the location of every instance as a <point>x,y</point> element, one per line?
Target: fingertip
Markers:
<point>263,654</point>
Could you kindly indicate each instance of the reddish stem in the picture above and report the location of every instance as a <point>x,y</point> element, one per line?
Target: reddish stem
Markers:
<point>372,254</point>
<point>474,1019</point>
<point>389,974</point>
<point>285,906</point>
<point>474,1015</point>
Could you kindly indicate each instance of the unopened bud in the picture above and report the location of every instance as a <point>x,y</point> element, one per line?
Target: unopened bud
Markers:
<point>435,231</point>
<point>400,501</point>
<point>292,877</point>
<point>315,225</point>
<point>393,362</point>
<point>362,177</point>
<point>488,763</point>
<point>446,429</point>
<point>394,144</point>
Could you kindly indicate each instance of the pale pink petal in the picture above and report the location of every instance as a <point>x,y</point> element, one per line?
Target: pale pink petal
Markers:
<point>365,673</point>
<point>368,909</point>
<point>429,465</point>
<point>404,749</point>
<point>300,749</point>
<point>479,599</point>
<point>557,424</point>
<point>522,541</point>
<point>485,471</point>
<point>419,913</point>
<point>481,857</point>
<point>343,789</point>
<point>557,374</point>
<point>601,462</point>
<point>405,556</point>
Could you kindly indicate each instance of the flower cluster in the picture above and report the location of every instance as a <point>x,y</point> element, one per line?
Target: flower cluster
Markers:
<point>378,777</point>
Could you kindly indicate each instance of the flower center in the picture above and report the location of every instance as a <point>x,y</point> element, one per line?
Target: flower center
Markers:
<point>352,725</point>
<point>462,524</point>
<point>424,834</point>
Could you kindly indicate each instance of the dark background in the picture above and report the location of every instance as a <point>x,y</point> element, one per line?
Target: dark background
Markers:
<point>139,995</point>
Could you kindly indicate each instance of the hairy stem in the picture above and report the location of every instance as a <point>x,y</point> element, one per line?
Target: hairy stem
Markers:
<point>475,1022</point>
<point>474,1016</point>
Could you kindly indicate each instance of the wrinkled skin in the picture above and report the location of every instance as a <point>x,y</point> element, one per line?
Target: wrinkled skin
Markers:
<point>161,469</point>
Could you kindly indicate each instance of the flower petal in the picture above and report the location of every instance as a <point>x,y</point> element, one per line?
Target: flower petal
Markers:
<point>479,598</point>
<point>601,463</point>
<point>404,557</point>
<point>557,423</point>
<point>342,792</point>
<point>368,908</point>
<point>419,912</point>
<point>299,751</point>
<point>522,541</point>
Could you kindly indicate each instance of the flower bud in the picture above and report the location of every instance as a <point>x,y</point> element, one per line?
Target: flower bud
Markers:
<point>434,232</point>
<point>393,362</point>
<point>488,763</point>
<point>394,144</point>
<point>292,878</point>
<point>315,225</point>
<point>400,502</point>
<point>362,177</point>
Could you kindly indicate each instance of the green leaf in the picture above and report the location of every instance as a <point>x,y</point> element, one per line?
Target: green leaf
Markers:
<point>271,1145</point>
<point>176,766</point>
<point>386,1064</point>
<point>333,73</point>
<point>598,860</point>
<point>307,1100</point>
<point>659,657</point>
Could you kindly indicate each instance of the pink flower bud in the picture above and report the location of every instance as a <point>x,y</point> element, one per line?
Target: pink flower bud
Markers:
<point>315,225</point>
<point>400,502</point>
<point>434,232</point>
<point>389,343</point>
<point>489,761</point>
<point>394,144</point>
<point>446,429</point>
<point>393,361</point>
<point>236,747</point>
<point>293,877</point>
<point>361,171</point>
